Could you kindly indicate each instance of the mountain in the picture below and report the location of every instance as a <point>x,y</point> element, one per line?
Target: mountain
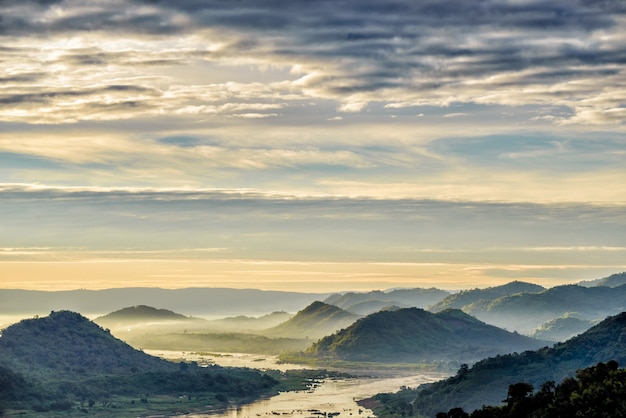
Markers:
<point>526,311</point>
<point>191,301</point>
<point>315,321</point>
<point>66,341</point>
<point>613,280</point>
<point>370,302</point>
<point>415,335</point>
<point>141,314</point>
<point>249,323</point>
<point>562,328</point>
<point>60,361</point>
<point>467,297</point>
<point>487,381</point>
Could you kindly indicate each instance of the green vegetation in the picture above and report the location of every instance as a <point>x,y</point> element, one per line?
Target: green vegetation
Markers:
<point>64,364</point>
<point>595,392</point>
<point>485,383</point>
<point>413,335</point>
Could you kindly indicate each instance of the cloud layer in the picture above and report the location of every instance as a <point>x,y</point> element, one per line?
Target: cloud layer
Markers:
<point>485,136</point>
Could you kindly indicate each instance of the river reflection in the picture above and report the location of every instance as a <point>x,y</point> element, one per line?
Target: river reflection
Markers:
<point>331,397</point>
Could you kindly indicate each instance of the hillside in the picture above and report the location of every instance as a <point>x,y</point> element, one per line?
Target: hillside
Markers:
<point>141,314</point>
<point>614,280</point>
<point>561,329</point>
<point>414,335</point>
<point>370,302</point>
<point>487,381</point>
<point>467,297</point>
<point>525,312</point>
<point>60,361</point>
<point>315,321</point>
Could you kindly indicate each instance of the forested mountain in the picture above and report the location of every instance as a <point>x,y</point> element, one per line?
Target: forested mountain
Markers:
<point>487,381</point>
<point>370,302</point>
<point>467,297</point>
<point>526,311</point>
<point>315,321</point>
<point>64,360</point>
<point>613,280</point>
<point>415,335</point>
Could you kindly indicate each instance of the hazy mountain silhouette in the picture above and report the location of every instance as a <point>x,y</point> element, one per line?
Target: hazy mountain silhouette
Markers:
<point>370,302</point>
<point>191,301</point>
<point>416,335</point>
<point>486,383</point>
<point>562,328</point>
<point>467,297</point>
<point>614,280</point>
<point>142,314</point>
<point>315,321</point>
<point>526,311</point>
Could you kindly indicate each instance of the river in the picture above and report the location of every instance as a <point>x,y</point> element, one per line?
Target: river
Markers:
<point>332,396</point>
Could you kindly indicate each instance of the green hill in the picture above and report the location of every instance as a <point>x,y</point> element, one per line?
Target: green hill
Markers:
<point>314,321</point>
<point>414,335</point>
<point>62,361</point>
<point>467,297</point>
<point>487,381</point>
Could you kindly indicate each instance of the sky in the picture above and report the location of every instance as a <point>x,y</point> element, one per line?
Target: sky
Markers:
<point>311,145</point>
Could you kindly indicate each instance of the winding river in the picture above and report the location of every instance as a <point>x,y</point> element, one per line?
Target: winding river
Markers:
<point>332,397</point>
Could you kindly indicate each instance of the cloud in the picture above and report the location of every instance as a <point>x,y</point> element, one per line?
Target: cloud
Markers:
<point>424,53</point>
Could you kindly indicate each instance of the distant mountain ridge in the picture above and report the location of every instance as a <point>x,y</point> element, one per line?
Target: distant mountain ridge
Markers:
<point>189,301</point>
<point>141,313</point>
<point>467,297</point>
<point>370,302</point>
<point>415,335</point>
<point>315,321</point>
<point>486,382</point>
<point>617,279</point>
<point>526,311</point>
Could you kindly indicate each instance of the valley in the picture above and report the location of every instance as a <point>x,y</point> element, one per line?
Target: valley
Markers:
<point>149,358</point>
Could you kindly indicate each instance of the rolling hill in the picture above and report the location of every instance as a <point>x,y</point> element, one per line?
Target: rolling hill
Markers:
<point>487,381</point>
<point>315,321</point>
<point>415,335</point>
